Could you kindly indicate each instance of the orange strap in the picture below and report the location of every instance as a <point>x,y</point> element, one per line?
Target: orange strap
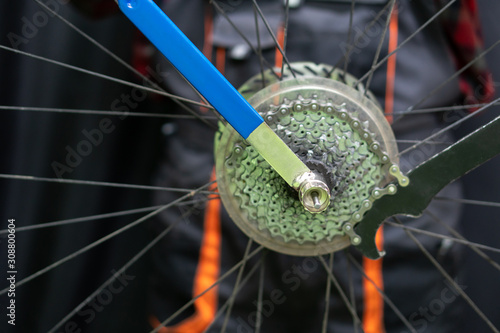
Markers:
<point>208,42</point>
<point>209,260</point>
<point>209,33</point>
<point>373,314</point>
<point>208,268</point>
<point>220,59</point>
<point>278,57</point>
<point>207,274</point>
<point>391,66</point>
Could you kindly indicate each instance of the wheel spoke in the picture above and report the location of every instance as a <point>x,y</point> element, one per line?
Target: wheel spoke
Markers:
<point>119,272</point>
<point>260,296</point>
<point>346,57</point>
<point>103,76</point>
<point>101,112</point>
<point>242,35</point>
<point>97,44</point>
<point>449,279</point>
<point>104,216</point>
<point>102,240</point>
<point>259,47</point>
<point>387,300</point>
<point>177,99</point>
<point>352,295</point>
<point>340,291</point>
<point>386,58</point>
<point>285,33</point>
<point>349,36</point>
<point>449,127</point>
<point>457,235</point>
<point>379,46</point>
<point>440,109</point>
<point>235,288</point>
<point>273,36</point>
<point>470,202</point>
<point>123,63</point>
<point>221,278</point>
<point>82,219</point>
<point>437,143</point>
<point>437,235</point>
<point>328,290</point>
<point>96,183</point>
<point>454,76</point>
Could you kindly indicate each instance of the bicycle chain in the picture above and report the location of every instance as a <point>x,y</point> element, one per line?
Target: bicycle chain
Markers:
<point>329,139</point>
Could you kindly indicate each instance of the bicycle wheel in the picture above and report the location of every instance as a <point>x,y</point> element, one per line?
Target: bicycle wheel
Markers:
<point>99,300</point>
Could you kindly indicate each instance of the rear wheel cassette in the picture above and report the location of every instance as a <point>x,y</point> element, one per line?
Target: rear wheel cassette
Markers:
<point>338,131</point>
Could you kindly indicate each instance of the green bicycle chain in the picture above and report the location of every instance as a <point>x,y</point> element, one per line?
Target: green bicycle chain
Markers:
<point>322,134</point>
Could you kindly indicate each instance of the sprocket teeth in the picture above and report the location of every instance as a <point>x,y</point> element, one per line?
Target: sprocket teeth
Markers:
<point>332,138</point>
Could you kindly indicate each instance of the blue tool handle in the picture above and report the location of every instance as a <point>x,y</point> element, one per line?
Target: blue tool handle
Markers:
<point>192,64</point>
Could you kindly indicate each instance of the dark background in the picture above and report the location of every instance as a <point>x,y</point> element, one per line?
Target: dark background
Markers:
<point>481,224</point>
<point>32,141</point>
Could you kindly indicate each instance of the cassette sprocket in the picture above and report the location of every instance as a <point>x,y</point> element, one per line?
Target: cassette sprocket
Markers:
<point>338,130</point>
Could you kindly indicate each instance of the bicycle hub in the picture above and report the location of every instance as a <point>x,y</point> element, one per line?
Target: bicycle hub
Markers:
<point>313,192</point>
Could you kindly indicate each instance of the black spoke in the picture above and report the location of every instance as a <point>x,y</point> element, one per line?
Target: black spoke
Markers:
<point>441,236</point>
<point>450,279</point>
<point>352,295</point>
<point>441,109</point>
<point>345,58</point>
<point>82,219</point>
<point>236,288</point>
<point>457,235</point>
<point>102,240</point>
<point>101,112</point>
<point>379,47</point>
<point>102,76</point>
<point>454,76</point>
<point>98,45</point>
<point>341,292</point>
<point>121,271</point>
<point>387,300</point>
<point>449,127</point>
<point>242,35</point>
<point>271,33</point>
<point>222,278</point>
<point>96,183</point>
<point>259,48</point>
<point>349,35</point>
<point>386,58</point>
<point>125,64</point>
<point>177,99</point>
<point>470,202</point>
<point>285,33</point>
<point>328,291</point>
<point>260,296</point>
